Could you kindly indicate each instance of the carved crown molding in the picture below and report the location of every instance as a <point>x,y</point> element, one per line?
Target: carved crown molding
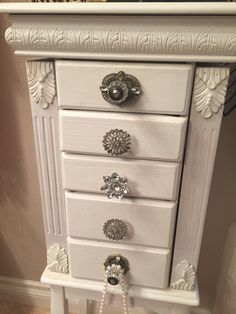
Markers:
<point>184,277</point>
<point>41,82</point>
<point>113,41</point>
<point>57,259</point>
<point>209,90</point>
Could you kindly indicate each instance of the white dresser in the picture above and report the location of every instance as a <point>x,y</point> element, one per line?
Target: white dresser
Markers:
<point>127,101</point>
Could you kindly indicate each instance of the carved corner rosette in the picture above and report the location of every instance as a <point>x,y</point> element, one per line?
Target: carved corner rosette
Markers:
<point>184,277</point>
<point>41,81</point>
<point>57,259</point>
<point>209,90</point>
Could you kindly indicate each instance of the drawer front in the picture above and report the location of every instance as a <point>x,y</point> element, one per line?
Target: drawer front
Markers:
<point>148,267</point>
<point>149,222</point>
<point>152,137</point>
<point>149,179</point>
<point>166,88</point>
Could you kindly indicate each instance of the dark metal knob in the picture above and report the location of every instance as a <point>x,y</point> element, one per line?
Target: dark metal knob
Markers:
<point>115,186</point>
<point>116,142</point>
<point>119,88</point>
<point>113,279</point>
<point>116,266</point>
<point>115,229</point>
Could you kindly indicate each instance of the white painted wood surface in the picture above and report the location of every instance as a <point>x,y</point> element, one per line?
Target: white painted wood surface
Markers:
<point>163,300</point>
<point>148,266</point>
<point>149,179</point>
<point>46,135</point>
<point>136,38</point>
<point>149,222</point>
<point>152,136</point>
<point>198,166</point>
<point>166,88</point>
<point>58,302</point>
<point>171,8</point>
<point>34,293</point>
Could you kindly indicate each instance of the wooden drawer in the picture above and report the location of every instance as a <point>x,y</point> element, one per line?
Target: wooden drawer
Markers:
<point>152,136</point>
<point>148,267</point>
<point>151,179</point>
<point>149,222</point>
<point>166,88</point>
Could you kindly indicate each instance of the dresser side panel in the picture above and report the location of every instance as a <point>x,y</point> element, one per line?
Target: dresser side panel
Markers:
<point>203,134</point>
<point>45,119</point>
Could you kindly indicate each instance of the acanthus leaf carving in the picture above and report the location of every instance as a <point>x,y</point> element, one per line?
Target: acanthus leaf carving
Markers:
<point>117,41</point>
<point>57,259</point>
<point>41,82</point>
<point>184,277</point>
<point>209,90</point>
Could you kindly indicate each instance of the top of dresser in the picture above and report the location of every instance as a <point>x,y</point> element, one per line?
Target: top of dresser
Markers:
<point>161,8</point>
<point>176,32</point>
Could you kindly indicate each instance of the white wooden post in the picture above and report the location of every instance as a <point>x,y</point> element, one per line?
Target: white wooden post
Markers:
<point>59,304</point>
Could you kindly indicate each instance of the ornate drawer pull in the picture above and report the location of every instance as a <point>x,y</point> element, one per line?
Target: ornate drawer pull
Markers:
<point>115,186</point>
<point>115,229</point>
<point>116,267</point>
<point>119,88</point>
<point>116,142</point>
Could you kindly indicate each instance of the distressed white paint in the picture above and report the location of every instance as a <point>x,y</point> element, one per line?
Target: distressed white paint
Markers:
<point>149,222</point>
<point>152,136</point>
<point>45,122</point>
<point>124,8</point>
<point>209,90</point>
<point>148,266</point>
<point>135,38</point>
<point>91,287</point>
<point>184,276</point>
<point>166,88</point>
<point>197,173</point>
<point>38,294</point>
<point>41,81</point>
<point>58,302</point>
<point>57,259</point>
<point>149,179</point>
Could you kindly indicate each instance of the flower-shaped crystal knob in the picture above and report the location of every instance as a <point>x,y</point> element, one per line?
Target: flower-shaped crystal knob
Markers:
<point>116,142</point>
<point>115,186</point>
<point>115,229</point>
<point>119,88</point>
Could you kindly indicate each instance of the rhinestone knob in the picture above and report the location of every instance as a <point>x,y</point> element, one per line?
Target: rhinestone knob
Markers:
<point>115,229</point>
<point>119,88</point>
<point>115,186</point>
<point>116,142</point>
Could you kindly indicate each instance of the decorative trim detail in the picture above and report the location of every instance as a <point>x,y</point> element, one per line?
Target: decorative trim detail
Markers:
<point>41,80</point>
<point>209,90</point>
<point>117,41</point>
<point>184,277</point>
<point>57,259</point>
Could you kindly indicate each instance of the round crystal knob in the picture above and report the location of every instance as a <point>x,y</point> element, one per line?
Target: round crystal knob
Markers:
<point>119,88</point>
<point>115,186</point>
<point>116,142</point>
<point>115,229</point>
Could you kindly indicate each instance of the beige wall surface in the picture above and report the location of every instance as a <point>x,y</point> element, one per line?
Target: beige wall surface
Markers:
<point>221,210</point>
<point>22,247</point>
